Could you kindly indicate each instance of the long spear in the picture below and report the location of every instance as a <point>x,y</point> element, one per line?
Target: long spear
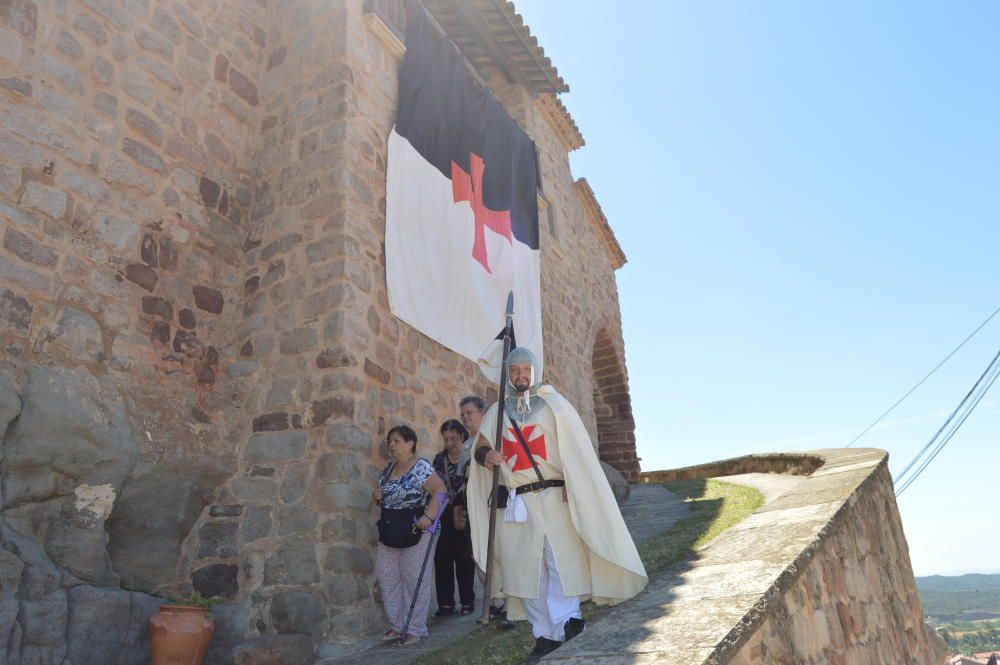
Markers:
<point>508,333</point>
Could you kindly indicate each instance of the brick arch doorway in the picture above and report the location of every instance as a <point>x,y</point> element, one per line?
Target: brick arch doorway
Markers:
<point>613,408</point>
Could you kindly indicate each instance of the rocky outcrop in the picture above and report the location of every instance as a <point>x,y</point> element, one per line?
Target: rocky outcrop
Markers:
<point>86,511</point>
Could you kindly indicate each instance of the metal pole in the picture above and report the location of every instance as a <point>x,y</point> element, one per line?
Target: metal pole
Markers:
<point>434,529</point>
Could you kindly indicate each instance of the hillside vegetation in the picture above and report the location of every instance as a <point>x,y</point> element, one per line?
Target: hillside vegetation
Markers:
<point>965,609</point>
<point>948,596</point>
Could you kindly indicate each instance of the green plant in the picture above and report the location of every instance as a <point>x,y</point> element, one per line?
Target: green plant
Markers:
<point>197,600</point>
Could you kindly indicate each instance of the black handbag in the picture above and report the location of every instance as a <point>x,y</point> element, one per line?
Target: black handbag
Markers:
<point>396,525</point>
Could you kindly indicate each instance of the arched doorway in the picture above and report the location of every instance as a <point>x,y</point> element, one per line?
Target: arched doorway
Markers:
<point>613,409</point>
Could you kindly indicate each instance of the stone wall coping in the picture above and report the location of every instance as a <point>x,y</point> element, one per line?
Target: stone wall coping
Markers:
<point>795,464</point>
<point>705,609</point>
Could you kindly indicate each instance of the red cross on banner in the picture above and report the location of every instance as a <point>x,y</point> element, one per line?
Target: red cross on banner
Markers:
<point>512,447</point>
<point>470,188</point>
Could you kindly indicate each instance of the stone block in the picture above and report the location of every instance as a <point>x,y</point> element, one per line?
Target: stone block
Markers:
<point>137,86</point>
<point>157,307</point>
<point>216,580</point>
<point>189,20</point>
<point>242,86</point>
<point>16,85</point>
<point>102,70</point>
<point>295,518</point>
<point>275,447</point>
<point>65,73</point>
<point>348,435</point>
<point>68,44</point>
<point>334,357</point>
<point>91,27</point>
<point>166,25</point>
<point>28,249</point>
<point>106,104</point>
<point>229,510</point>
<point>217,539</point>
<point>332,407</point>
<point>255,490</point>
<point>271,422</point>
<point>293,562</point>
<point>145,125</point>
<point>122,171</point>
<point>298,341</point>
<point>294,486</point>
<point>143,155</point>
<point>257,524</point>
<point>43,198</point>
<point>142,275</point>
<point>294,612</point>
<point>349,559</point>
<point>221,67</point>
<point>275,650</point>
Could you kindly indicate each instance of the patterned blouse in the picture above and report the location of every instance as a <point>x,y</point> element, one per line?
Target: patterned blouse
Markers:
<point>406,491</point>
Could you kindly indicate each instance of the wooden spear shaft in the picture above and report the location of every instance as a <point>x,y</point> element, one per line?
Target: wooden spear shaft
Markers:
<point>497,442</point>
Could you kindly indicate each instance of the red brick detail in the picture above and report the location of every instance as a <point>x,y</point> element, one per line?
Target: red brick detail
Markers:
<point>613,408</point>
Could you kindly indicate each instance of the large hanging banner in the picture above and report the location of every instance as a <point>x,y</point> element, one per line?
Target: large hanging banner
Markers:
<point>461,227</point>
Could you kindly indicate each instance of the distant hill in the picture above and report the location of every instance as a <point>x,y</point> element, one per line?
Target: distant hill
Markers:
<point>945,596</point>
<point>969,582</point>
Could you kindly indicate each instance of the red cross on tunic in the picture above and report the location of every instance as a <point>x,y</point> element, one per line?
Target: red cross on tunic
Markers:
<point>512,447</point>
<point>470,188</point>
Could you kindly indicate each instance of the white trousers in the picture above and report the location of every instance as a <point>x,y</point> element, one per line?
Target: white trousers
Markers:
<point>549,612</point>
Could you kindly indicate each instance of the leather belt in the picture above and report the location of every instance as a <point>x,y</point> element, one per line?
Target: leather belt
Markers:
<point>538,486</point>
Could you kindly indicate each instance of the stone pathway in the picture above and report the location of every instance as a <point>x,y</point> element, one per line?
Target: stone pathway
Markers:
<point>650,509</point>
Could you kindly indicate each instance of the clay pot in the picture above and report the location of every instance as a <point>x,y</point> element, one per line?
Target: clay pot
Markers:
<point>179,635</point>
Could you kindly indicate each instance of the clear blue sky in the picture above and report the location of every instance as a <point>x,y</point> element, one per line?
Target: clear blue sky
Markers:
<point>809,198</point>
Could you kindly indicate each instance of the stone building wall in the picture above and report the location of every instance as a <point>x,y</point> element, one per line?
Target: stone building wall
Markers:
<point>198,362</point>
<point>125,135</point>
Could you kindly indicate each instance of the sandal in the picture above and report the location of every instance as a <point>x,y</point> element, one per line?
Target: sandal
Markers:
<point>410,639</point>
<point>444,612</point>
<point>390,635</point>
<point>467,609</point>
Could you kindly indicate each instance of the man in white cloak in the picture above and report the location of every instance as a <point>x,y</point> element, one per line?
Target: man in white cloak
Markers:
<point>561,538</point>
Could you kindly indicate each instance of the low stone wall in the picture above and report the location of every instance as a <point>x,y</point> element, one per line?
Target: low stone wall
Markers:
<point>819,575</point>
<point>794,464</point>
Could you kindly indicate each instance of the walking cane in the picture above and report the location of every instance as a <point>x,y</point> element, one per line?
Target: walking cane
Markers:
<point>508,332</point>
<point>434,529</point>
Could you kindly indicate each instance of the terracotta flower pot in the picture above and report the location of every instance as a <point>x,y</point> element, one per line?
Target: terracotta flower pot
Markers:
<point>179,635</point>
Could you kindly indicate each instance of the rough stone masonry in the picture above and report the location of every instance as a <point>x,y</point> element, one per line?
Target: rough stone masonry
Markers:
<point>197,361</point>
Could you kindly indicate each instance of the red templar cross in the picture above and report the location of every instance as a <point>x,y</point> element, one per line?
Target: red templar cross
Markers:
<point>512,447</point>
<point>466,188</point>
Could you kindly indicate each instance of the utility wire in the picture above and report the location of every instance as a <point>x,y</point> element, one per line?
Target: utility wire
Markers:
<point>945,442</point>
<point>921,382</point>
<point>962,411</point>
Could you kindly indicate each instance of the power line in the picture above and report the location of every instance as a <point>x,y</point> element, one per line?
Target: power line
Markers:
<point>963,411</point>
<point>921,382</point>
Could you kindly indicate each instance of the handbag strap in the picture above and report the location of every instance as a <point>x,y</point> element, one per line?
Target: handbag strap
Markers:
<point>527,451</point>
<point>447,474</point>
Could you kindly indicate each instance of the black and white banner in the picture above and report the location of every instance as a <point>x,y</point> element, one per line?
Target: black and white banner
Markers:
<point>461,205</point>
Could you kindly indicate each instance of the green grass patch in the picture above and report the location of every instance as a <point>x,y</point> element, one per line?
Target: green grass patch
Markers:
<point>715,506</point>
